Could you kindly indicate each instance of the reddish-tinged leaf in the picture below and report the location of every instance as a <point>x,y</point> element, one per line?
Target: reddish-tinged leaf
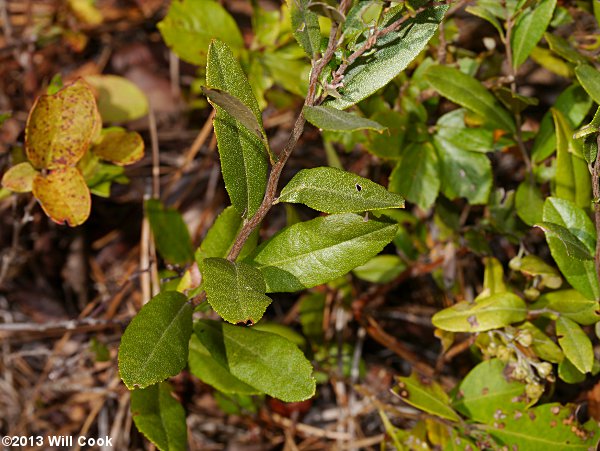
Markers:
<point>120,147</point>
<point>61,127</point>
<point>19,178</point>
<point>63,195</point>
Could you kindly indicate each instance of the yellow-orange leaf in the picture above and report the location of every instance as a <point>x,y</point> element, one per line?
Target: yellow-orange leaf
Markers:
<point>63,195</point>
<point>19,178</point>
<point>61,127</point>
<point>120,147</point>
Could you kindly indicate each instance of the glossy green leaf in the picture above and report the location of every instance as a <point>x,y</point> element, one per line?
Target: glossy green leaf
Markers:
<point>328,118</point>
<point>562,48</point>
<point>485,394</point>
<point>417,175</point>
<point>380,269</point>
<point>333,190</point>
<point>495,311</point>
<point>572,180</point>
<point>19,178</point>
<point>574,104</point>
<point>287,71</point>
<point>315,252</point>
<point>464,174</point>
<point>238,110</point>
<point>155,344</point>
<point>305,26</point>
<point>542,345</point>
<point>391,55</point>
<point>119,146</point>
<point>280,329</point>
<point>452,130</point>
<point>469,93</point>
<point>212,372</point>
<point>570,304</point>
<point>63,195</point>
<point>575,344</point>
<point>220,237</point>
<point>589,77</point>
<point>190,25</point>
<point>574,248</point>
<point>60,127</point>
<point>170,232</point>
<point>580,274</point>
<point>119,100</point>
<point>263,360</point>
<point>235,290</point>
<point>426,395</point>
<point>529,202</point>
<point>548,426</point>
<point>160,417</point>
<point>529,29</point>
<point>243,154</point>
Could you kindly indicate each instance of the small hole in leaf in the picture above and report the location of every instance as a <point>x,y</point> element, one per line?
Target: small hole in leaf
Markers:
<point>358,188</point>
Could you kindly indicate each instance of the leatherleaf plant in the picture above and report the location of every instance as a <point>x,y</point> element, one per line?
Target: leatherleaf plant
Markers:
<point>389,79</point>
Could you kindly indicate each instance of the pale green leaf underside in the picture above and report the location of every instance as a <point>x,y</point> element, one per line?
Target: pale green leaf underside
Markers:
<point>492,312</point>
<point>333,190</point>
<point>328,118</point>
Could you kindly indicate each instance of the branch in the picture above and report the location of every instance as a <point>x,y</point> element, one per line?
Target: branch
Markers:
<point>596,193</point>
<point>275,174</point>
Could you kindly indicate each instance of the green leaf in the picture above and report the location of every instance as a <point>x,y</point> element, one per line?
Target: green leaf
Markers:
<point>574,104</point>
<point>160,417</point>
<point>485,394</point>
<point>548,426</point>
<point>238,110</point>
<point>572,181</point>
<point>529,29</point>
<point>315,252</point>
<point>533,266</point>
<point>332,190</point>
<point>328,118</point>
<point>562,48</point>
<point>390,55</point>
<point>380,269</point>
<point>575,344</point>
<point>235,290</point>
<point>568,373</point>
<point>305,26</point>
<point>426,395</point>
<point>580,274</point>
<point>464,174</point>
<point>155,344</point>
<point>243,155</point>
<point>589,78</point>
<point>265,361</point>
<point>493,278</point>
<point>60,127</point>
<point>493,312</point>
<point>119,100</point>
<point>529,202</point>
<point>542,344</point>
<point>570,304</point>
<point>119,146</point>
<point>211,372</point>
<point>290,73</point>
<point>19,178</point>
<point>220,237</point>
<point>452,131</point>
<point>485,14</point>
<point>170,232</point>
<point>389,143</point>
<point>63,195</point>
<point>469,93</point>
<point>190,25</point>
<point>574,248</point>
<point>417,176</point>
